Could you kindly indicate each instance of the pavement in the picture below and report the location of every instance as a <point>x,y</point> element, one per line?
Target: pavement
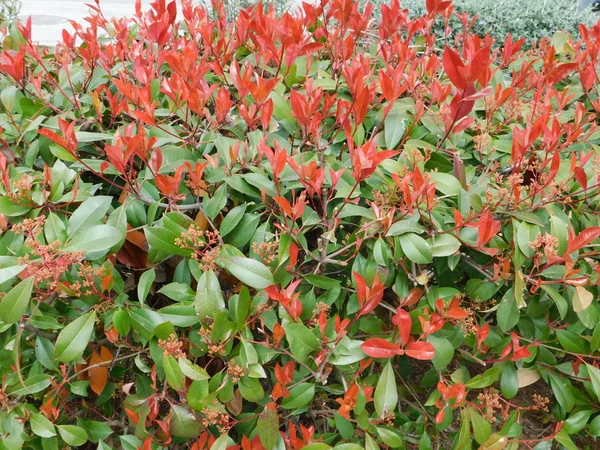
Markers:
<point>50,17</point>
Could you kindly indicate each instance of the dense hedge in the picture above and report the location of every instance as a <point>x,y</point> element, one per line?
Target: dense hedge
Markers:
<point>302,232</point>
<point>531,19</point>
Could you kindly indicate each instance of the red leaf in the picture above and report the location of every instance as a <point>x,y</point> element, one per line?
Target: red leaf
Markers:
<point>361,288</point>
<point>284,205</point>
<point>582,239</point>
<point>380,348</point>
<point>454,311</point>
<point>581,177</point>
<point>414,295</point>
<point>487,228</point>
<point>53,137</point>
<point>455,68</point>
<point>420,350</point>
<point>132,415</point>
<point>293,256</point>
<point>404,323</point>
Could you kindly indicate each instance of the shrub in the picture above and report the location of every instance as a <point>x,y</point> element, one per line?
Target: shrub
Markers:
<point>531,19</point>
<point>298,232</point>
<point>9,10</point>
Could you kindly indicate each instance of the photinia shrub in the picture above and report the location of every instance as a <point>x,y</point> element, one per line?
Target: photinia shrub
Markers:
<point>300,232</point>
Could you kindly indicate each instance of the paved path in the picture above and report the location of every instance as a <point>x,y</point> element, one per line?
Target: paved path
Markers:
<point>49,17</point>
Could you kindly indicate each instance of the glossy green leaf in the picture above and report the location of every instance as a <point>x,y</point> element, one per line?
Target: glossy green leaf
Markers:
<point>14,304</point>
<point>249,271</point>
<point>416,248</point>
<point>301,340</point>
<point>144,284</point>
<point>74,338</point>
<point>72,435</point>
<point>209,297</point>
<point>267,428</point>
<point>386,392</point>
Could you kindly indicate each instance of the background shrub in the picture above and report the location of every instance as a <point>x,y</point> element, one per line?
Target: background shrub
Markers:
<point>298,232</point>
<point>9,9</point>
<point>531,19</point>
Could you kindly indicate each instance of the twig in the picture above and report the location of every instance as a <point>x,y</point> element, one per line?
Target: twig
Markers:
<point>35,331</point>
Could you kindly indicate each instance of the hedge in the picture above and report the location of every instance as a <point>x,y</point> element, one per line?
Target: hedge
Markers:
<point>299,232</point>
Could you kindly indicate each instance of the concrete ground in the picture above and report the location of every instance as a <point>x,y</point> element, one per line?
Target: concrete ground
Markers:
<point>50,17</point>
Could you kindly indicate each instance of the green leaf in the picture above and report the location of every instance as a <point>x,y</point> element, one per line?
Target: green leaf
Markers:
<point>594,374</point>
<point>577,421</point>
<point>299,396</point>
<point>526,234</point>
<point>144,284</point>
<point>485,379</point>
<point>72,435</point>
<point>563,438</point>
<point>242,307</point>
<point>96,431</point>
<point>95,241</point>
<point>251,389</point>
<point>444,245</point>
<point>74,338</point>
<point>370,443</point>
<point>89,213</point>
<point>184,423</point>
<point>267,428</point>
<point>463,440</point>
<point>302,341</point>
<point>163,241</point>
<point>44,351</point>
<point>386,392</point>
<point>444,352</point>
<point>394,127</point>
<point>508,313</point>
<point>41,426</point>
<point>344,428</point>
<point>192,371</point>
<point>390,437</point>
<point>214,205</point>
<point>33,384</point>
<point>232,219</point>
<point>209,297</point>
<point>87,136</point>
<point>174,375</point>
<point>559,300</point>
<point>416,248</point>
<point>249,271</point>
<point>122,322</point>
<point>15,302</point>
<point>594,427</point>
<point>481,427</point>
<point>572,342</point>
<point>446,183</point>
<point>180,292</point>
<point>6,273</point>
<point>55,229</point>
<point>9,209</point>
<point>561,387</point>
<point>509,381</point>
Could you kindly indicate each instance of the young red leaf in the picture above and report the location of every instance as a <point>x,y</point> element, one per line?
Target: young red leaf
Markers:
<point>420,350</point>
<point>455,68</point>
<point>380,348</point>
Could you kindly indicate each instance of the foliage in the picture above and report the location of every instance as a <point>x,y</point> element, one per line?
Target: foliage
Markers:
<point>301,232</point>
<point>9,10</point>
<point>532,19</point>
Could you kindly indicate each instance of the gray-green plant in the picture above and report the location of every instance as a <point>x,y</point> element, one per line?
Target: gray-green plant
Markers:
<point>9,9</point>
<point>531,19</point>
